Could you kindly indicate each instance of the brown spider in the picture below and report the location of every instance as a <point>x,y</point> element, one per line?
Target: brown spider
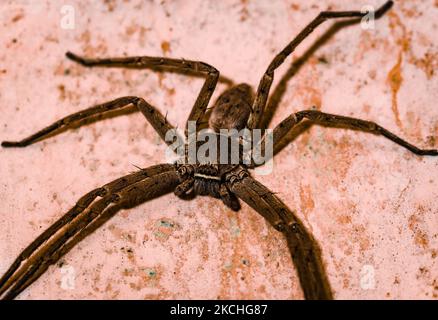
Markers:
<point>235,109</point>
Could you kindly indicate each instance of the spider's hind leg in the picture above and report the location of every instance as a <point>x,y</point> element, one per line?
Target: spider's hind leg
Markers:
<point>304,249</point>
<point>363,125</point>
<point>350,123</point>
<point>316,116</point>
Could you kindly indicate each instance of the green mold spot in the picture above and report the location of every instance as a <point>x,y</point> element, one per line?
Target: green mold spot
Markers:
<point>234,229</point>
<point>150,272</point>
<point>167,224</point>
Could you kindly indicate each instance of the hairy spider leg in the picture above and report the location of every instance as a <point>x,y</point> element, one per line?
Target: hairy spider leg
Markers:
<point>268,77</point>
<point>323,118</point>
<point>155,118</point>
<point>122,193</point>
<point>304,249</point>
<point>79,207</point>
<point>201,103</point>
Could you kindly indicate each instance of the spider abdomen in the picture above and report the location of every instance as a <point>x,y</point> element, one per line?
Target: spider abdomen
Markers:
<point>232,109</point>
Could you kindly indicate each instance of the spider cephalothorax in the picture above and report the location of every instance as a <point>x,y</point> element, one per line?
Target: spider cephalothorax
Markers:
<point>209,178</point>
<point>234,109</point>
<point>230,112</point>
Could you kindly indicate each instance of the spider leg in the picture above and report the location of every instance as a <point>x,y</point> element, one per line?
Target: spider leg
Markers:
<point>267,79</point>
<point>155,118</point>
<point>229,198</point>
<point>82,204</point>
<point>358,124</point>
<point>100,213</point>
<point>204,95</point>
<point>304,249</point>
<point>245,190</point>
<point>40,259</point>
<point>122,193</point>
<point>317,116</point>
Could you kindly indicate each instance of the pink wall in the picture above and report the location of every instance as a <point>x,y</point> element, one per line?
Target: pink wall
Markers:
<point>370,203</point>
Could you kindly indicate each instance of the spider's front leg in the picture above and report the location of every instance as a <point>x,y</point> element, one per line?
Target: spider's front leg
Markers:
<point>155,118</point>
<point>84,218</point>
<point>305,251</point>
<point>267,79</point>
<point>204,95</point>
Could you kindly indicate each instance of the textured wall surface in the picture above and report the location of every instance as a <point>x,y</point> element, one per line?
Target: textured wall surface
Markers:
<point>370,203</point>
